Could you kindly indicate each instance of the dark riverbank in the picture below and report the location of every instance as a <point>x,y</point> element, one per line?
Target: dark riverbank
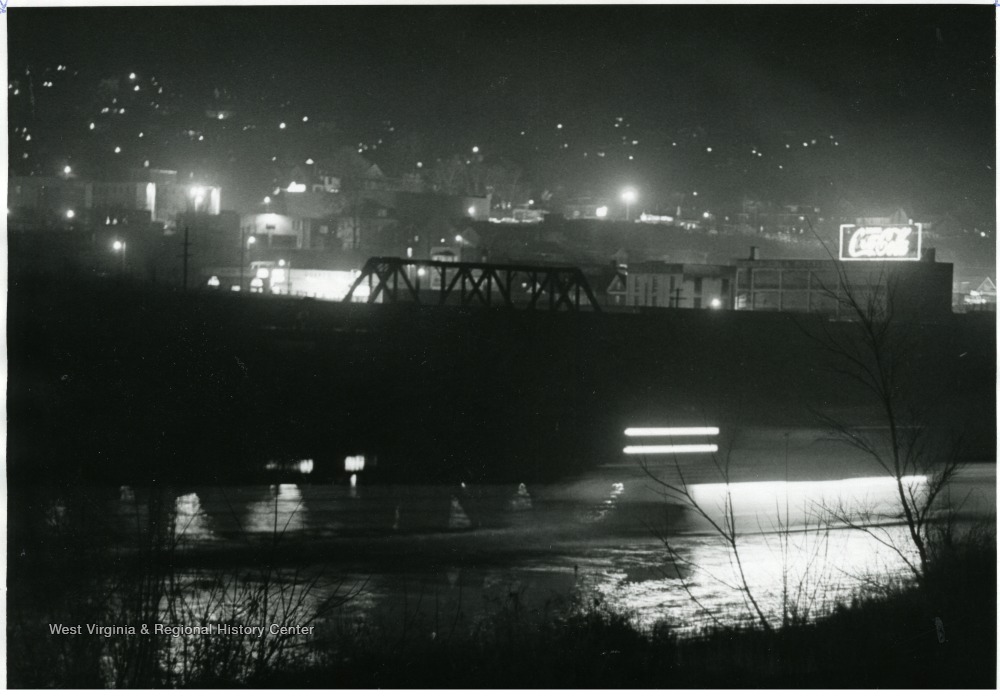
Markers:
<point>124,383</point>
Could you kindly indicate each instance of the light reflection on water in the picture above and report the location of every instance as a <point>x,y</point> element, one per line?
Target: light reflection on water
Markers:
<point>281,511</point>
<point>190,521</point>
<point>797,550</point>
<point>803,573</point>
<point>590,537</point>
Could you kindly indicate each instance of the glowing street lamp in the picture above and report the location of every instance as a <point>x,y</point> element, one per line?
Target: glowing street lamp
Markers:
<point>70,214</point>
<point>629,196</point>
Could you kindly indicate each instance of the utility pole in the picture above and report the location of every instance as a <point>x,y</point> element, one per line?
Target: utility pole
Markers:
<point>185,256</point>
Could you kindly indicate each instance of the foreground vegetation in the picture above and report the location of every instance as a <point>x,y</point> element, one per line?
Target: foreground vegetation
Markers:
<point>942,634</point>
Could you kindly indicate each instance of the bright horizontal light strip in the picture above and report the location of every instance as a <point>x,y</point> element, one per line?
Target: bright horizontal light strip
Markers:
<point>694,431</point>
<point>665,449</point>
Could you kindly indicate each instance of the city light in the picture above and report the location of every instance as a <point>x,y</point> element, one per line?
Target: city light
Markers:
<point>354,463</point>
<point>251,240</point>
<point>669,449</point>
<point>70,214</point>
<point>472,210</point>
<point>638,432</point>
<point>629,196</point>
<point>267,200</point>
<point>602,211</point>
<point>716,303</point>
<point>475,148</point>
<point>296,188</point>
<point>67,169</point>
<point>118,245</point>
<point>213,282</point>
<point>458,238</point>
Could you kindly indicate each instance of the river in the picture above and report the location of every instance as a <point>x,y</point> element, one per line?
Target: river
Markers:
<point>444,557</point>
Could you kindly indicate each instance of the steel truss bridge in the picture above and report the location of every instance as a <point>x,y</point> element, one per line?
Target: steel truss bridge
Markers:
<point>428,282</point>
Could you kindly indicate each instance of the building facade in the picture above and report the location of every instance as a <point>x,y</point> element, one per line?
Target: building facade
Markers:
<point>916,288</point>
<point>692,286</point>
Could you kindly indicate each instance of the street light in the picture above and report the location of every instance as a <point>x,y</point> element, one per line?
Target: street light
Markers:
<point>629,196</point>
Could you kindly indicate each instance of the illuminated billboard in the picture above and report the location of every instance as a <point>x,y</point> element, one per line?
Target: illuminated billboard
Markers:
<point>889,243</point>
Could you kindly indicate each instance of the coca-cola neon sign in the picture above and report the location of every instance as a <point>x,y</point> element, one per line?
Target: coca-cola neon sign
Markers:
<point>889,243</point>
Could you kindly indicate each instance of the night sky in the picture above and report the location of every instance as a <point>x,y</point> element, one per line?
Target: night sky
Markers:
<point>900,100</point>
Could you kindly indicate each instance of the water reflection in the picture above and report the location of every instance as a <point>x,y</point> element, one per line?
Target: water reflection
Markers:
<point>797,551</point>
<point>607,506</point>
<point>282,510</point>
<point>586,537</point>
<point>457,518</point>
<point>767,506</point>
<point>803,573</point>
<point>522,500</point>
<point>190,521</point>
